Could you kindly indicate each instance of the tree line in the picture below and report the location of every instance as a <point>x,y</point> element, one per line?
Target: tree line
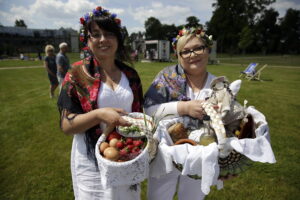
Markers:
<point>239,26</point>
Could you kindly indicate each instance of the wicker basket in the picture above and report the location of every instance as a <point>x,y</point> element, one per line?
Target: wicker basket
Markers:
<point>128,172</point>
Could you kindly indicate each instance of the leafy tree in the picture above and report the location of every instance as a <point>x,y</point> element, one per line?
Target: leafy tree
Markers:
<point>153,29</point>
<point>290,31</point>
<point>229,19</point>
<point>170,31</point>
<point>246,38</point>
<point>20,23</point>
<point>192,21</point>
<point>255,7</point>
<point>227,22</point>
<point>267,31</point>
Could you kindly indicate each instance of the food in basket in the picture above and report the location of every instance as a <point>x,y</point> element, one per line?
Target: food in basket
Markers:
<point>120,149</point>
<point>177,131</point>
<point>111,153</point>
<point>130,130</point>
<point>113,142</point>
<point>188,141</point>
<point>207,139</point>
<point>103,146</point>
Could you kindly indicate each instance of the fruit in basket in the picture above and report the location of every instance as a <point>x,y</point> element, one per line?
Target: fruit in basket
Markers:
<point>129,141</point>
<point>113,142</point>
<point>177,131</point>
<point>120,144</point>
<point>111,153</point>
<point>137,143</point>
<point>103,146</point>
<point>112,135</point>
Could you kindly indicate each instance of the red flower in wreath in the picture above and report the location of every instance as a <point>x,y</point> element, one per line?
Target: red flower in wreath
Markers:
<point>180,33</point>
<point>82,20</point>
<point>118,21</point>
<point>99,8</point>
<point>81,38</point>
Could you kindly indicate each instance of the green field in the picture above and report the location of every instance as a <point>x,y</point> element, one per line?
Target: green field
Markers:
<point>35,154</point>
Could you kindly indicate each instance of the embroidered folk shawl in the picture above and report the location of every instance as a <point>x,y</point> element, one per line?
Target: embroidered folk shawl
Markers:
<point>169,85</point>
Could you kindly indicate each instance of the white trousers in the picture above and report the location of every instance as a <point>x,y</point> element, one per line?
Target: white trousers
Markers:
<point>164,187</point>
<point>87,181</point>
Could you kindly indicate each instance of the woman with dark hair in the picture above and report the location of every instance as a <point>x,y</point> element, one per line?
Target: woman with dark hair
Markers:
<point>95,93</point>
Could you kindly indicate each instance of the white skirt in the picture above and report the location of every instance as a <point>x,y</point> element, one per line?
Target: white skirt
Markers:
<point>86,177</point>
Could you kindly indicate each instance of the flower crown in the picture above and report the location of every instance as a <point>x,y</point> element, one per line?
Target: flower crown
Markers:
<point>97,12</point>
<point>198,31</point>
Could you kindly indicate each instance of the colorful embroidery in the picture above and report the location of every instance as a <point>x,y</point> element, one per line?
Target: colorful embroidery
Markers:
<point>169,85</point>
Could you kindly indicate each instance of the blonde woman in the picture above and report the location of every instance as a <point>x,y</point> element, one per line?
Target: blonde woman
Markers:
<point>51,68</point>
<point>177,91</point>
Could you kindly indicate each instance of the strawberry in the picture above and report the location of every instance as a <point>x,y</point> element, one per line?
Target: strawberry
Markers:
<point>137,143</point>
<point>129,141</point>
<point>130,147</point>
<point>124,151</point>
<point>120,144</point>
<point>135,150</point>
<point>112,135</point>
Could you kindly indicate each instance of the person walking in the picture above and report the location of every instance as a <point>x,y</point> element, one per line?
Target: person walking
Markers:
<point>51,68</point>
<point>63,63</point>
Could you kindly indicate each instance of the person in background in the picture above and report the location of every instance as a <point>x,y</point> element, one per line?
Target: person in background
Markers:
<point>63,63</point>
<point>51,68</point>
<point>178,91</point>
<point>95,93</point>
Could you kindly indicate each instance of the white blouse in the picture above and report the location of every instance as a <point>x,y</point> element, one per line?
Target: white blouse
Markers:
<point>121,97</point>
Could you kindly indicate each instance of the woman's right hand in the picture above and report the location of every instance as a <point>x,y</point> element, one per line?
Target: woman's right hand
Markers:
<point>112,116</point>
<point>192,108</point>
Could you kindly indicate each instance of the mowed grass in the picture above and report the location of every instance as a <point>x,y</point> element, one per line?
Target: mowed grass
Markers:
<point>35,154</point>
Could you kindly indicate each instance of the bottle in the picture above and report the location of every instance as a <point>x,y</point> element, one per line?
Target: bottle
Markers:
<point>209,135</point>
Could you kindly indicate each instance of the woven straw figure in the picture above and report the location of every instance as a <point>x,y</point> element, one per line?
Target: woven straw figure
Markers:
<point>229,119</point>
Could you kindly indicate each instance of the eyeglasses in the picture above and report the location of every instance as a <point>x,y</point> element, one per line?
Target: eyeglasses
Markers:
<point>97,36</point>
<point>198,51</point>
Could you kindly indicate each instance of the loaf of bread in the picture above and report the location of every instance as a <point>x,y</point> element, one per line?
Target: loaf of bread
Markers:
<point>177,131</point>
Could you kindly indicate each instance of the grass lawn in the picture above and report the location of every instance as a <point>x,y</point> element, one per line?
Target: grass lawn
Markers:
<point>35,154</point>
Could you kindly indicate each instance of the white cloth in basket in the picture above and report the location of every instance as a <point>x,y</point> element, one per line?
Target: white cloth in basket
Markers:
<point>203,160</point>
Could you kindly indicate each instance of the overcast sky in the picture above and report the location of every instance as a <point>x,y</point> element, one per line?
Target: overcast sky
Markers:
<point>53,14</point>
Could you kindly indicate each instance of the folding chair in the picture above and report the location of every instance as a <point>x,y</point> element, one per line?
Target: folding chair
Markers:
<point>250,70</point>
<point>257,74</point>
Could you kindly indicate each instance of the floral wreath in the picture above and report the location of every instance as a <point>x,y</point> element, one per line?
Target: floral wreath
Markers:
<point>98,11</point>
<point>198,31</point>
